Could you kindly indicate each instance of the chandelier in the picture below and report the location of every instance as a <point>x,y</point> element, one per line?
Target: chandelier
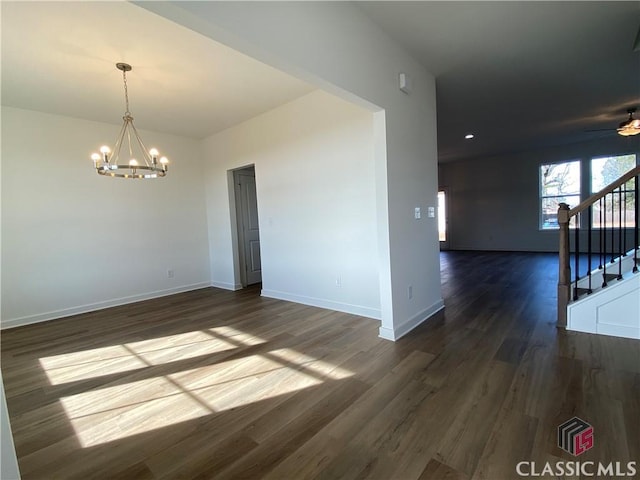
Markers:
<point>631,126</point>
<point>107,162</point>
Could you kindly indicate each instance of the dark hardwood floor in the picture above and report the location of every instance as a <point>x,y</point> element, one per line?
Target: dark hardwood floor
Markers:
<point>218,384</point>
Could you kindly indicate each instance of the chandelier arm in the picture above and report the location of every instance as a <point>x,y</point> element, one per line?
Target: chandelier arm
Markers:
<point>145,152</point>
<point>118,145</point>
<point>129,140</point>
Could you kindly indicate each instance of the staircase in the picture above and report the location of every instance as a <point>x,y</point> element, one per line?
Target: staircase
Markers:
<point>599,280</point>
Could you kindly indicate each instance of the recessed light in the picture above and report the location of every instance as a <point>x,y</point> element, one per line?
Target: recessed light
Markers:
<point>469,136</point>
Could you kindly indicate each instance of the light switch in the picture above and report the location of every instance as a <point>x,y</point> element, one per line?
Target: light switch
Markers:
<point>432,212</point>
<point>417,214</point>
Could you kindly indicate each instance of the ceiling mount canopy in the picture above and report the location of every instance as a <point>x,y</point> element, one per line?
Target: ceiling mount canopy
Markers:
<point>107,162</point>
<point>631,126</point>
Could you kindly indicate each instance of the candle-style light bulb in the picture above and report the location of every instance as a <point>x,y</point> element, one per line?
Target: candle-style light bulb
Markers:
<point>96,158</point>
<point>133,162</point>
<point>154,156</point>
<point>105,153</point>
<point>164,160</point>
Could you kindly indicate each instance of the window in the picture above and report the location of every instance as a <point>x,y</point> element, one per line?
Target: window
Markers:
<point>559,183</point>
<point>604,171</point>
<point>442,216</point>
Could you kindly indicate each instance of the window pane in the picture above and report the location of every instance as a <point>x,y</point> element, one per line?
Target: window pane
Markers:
<point>560,179</point>
<point>604,171</point>
<point>607,170</point>
<point>610,215</point>
<point>549,210</point>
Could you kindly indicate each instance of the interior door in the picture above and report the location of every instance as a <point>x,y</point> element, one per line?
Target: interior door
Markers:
<point>250,231</point>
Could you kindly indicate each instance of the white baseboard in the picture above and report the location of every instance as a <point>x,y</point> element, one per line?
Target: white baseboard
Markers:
<point>404,328</point>
<point>67,312</point>
<point>323,303</point>
<point>226,285</point>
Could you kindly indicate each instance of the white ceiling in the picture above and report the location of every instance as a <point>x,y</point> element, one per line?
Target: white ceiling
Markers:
<point>517,74</point>
<point>59,57</point>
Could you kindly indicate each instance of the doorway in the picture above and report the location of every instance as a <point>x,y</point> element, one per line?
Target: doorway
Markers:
<point>443,218</point>
<point>244,181</point>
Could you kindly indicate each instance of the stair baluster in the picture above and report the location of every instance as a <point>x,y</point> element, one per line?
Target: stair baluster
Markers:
<point>576,256</point>
<point>589,249</point>
<point>604,236</point>
<point>636,224</point>
<point>624,229</point>
<point>620,233</point>
<point>600,235</point>
<point>613,227</point>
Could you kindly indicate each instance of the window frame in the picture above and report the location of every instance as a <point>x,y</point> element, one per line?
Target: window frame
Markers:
<point>541,197</point>
<point>592,191</point>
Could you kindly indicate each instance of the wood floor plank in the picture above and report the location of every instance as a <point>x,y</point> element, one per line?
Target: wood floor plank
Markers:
<point>217,384</point>
<point>511,442</point>
<point>435,469</point>
<point>199,461</point>
<point>462,444</point>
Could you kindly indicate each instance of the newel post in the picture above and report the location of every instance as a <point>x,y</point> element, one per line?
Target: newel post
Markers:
<point>564,272</point>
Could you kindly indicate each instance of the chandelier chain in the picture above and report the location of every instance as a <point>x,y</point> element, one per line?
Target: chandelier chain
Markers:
<point>126,92</point>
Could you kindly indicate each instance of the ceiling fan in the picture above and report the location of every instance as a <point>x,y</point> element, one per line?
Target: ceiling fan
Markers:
<point>630,127</point>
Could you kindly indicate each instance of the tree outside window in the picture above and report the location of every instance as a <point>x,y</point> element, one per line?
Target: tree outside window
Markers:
<point>604,171</point>
<point>559,183</point>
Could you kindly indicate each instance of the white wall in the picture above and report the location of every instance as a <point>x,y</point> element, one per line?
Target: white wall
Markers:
<point>74,241</point>
<point>8,462</point>
<point>335,46</point>
<point>315,182</point>
<point>494,202</point>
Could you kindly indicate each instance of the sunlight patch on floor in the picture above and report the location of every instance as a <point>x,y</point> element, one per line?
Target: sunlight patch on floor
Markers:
<point>234,335</point>
<point>71,367</point>
<point>119,411</point>
<point>310,364</point>
<point>76,366</point>
<point>116,412</point>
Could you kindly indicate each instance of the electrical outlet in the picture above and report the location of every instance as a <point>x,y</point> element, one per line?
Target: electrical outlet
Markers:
<point>410,292</point>
<point>170,273</point>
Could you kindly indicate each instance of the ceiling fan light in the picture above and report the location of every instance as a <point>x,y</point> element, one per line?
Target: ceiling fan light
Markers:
<point>629,130</point>
<point>631,126</point>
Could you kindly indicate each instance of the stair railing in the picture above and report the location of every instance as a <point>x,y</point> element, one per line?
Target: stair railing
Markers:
<point>612,239</point>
